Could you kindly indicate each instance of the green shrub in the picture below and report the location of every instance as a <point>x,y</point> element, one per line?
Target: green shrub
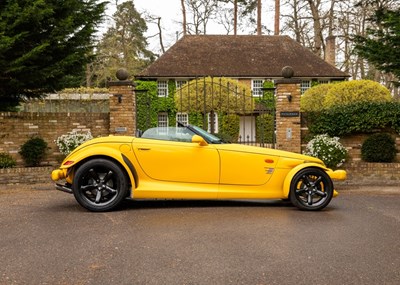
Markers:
<point>265,128</point>
<point>349,92</point>
<point>328,149</point>
<point>6,160</point>
<point>379,148</point>
<point>229,128</point>
<point>313,99</point>
<point>33,151</point>
<point>363,117</point>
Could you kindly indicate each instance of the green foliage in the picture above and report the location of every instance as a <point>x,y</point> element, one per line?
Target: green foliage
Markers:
<point>123,45</point>
<point>380,147</point>
<point>313,99</point>
<point>265,128</point>
<point>44,45</point>
<point>149,105</point>
<point>348,92</point>
<point>381,45</point>
<point>33,151</point>
<point>328,149</point>
<point>229,127</point>
<point>223,95</point>
<point>363,117</point>
<point>6,160</point>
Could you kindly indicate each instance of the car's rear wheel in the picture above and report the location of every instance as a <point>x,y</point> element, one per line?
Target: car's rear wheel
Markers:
<point>100,185</point>
<point>311,189</point>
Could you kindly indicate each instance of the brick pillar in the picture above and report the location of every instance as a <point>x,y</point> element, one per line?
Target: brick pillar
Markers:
<point>122,105</point>
<point>288,124</point>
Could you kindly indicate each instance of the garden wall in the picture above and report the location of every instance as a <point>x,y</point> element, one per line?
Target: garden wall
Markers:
<point>17,128</point>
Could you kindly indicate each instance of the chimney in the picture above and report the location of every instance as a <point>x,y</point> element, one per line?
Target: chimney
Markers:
<point>330,50</point>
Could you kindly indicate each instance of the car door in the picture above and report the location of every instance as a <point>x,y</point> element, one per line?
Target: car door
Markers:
<point>243,166</point>
<point>178,161</point>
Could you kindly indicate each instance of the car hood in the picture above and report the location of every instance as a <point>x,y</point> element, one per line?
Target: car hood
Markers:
<point>267,151</point>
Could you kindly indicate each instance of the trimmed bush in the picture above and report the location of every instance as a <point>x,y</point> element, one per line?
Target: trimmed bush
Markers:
<point>355,91</point>
<point>313,99</point>
<point>379,148</point>
<point>33,151</point>
<point>6,160</point>
<point>229,128</point>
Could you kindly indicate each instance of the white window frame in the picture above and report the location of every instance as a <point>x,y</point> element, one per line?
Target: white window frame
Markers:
<point>162,88</point>
<point>304,86</point>
<point>183,118</point>
<point>256,85</point>
<point>180,83</point>
<point>325,81</point>
<point>162,122</point>
<point>215,123</point>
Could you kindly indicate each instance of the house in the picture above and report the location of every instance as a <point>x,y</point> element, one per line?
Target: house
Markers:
<point>250,59</point>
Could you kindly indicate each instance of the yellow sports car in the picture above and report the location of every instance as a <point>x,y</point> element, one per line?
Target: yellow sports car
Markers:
<point>189,163</point>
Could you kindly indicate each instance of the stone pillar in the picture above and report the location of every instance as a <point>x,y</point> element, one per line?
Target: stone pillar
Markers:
<point>122,105</point>
<point>288,123</point>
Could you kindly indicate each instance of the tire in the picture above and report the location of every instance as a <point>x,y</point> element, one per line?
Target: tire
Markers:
<point>100,185</point>
<point>311,189</point>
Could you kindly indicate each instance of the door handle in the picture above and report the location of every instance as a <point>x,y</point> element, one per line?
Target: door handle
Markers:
<point>143,148</point>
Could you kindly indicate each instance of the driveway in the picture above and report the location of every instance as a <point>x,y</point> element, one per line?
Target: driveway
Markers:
<point>47,238</point>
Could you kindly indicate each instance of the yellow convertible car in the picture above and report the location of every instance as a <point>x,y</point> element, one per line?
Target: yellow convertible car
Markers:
<point>189,163</point>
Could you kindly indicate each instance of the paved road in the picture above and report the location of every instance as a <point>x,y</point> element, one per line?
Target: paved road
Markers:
<point>46,238</point>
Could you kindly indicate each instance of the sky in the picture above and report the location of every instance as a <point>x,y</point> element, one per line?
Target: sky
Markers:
<point>171,14</point>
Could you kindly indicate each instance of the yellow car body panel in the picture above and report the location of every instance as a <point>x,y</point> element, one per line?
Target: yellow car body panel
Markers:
<point>161,169</point>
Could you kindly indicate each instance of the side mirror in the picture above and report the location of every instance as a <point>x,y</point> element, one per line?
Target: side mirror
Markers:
<point>199,140</point>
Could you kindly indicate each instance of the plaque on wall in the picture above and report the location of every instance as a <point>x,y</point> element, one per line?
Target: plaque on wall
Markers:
<point>121,129</point>
<point>290,114</point>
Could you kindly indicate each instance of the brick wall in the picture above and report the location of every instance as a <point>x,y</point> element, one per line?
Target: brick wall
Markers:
<point>25,176</point>
<point>17,128</point>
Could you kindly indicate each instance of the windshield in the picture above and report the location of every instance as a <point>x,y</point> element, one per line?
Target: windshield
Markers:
<point>207,136</point>
<point>181,134</point>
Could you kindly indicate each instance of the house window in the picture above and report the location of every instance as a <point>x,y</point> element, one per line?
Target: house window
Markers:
<point>162,121</point>
<point>323,81</point>
<point>183,118</point>
<point>162,87</point>
<point>256,85</point>
<point>212,121</point>
<point>304,86</point>
<point>180,83</point>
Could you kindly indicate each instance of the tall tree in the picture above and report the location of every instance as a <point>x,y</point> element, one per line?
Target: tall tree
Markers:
<point>44,45</point>
<point>381,44</point>
<point>123,45</point>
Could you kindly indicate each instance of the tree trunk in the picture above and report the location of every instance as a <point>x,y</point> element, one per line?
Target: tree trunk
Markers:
<point>235,17</point>
<point>259,17</point>
<point>277,15</point>
<point>184,16</point>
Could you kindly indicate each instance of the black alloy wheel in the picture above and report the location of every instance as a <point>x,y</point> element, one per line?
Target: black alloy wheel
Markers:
<point>311,189</point>
<point>100,185</point>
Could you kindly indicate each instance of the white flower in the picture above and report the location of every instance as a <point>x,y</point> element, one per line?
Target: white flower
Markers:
<point>328,149</point>
<point>67,143</point>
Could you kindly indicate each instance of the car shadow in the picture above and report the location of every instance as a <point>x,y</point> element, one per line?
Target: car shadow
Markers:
<point>130,204</point>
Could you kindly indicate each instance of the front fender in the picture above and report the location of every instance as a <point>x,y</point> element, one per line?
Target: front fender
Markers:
<point>76,158</point>
<point>337,175</point>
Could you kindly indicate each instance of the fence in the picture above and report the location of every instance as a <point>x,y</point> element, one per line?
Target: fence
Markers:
<point>224,107</point>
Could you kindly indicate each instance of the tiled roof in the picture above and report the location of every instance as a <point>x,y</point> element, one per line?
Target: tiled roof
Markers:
<point>238,56</point>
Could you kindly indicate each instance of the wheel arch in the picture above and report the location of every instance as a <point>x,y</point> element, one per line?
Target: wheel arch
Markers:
<point>289,177</point>
<point>124,163</point>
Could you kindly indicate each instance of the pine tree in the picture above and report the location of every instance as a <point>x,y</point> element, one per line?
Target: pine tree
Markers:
<point>381,46</point>
<point>44,45</point>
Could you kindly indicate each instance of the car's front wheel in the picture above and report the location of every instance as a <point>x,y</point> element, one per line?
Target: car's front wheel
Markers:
<point>311,189</point>
<point>100,185</point>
